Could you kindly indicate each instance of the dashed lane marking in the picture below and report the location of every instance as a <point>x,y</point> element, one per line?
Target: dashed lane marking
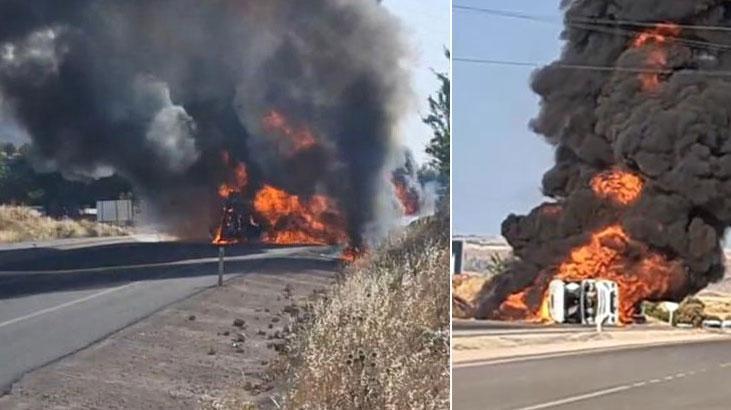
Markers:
<point>617,389</point>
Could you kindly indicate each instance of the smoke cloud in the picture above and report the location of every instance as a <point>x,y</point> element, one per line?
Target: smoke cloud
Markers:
<point>156,90</point>
<point>670,127</point>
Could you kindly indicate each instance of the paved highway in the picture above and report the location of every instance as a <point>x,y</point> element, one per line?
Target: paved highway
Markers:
<point>55,300</point>
<point>683,376</point>
<point>469,328</point>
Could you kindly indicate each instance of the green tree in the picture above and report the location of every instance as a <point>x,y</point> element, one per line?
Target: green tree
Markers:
<point>20,183</point>
<point>8,149</point>
<point>438,120</point>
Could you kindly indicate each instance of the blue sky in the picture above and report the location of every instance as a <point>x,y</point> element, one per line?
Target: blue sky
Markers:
<point>497,161</point>
<point>426,24</point>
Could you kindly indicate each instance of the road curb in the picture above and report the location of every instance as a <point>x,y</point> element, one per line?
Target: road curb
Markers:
<point>578,352</point>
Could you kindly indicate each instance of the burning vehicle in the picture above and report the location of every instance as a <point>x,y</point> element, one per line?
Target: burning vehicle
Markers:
<point>237,224</point>
<point>639,194</point>
<point>586,302</point>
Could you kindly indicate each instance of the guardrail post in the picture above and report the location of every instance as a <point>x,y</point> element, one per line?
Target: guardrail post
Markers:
<point>221,254</point>
<point>599,322</point>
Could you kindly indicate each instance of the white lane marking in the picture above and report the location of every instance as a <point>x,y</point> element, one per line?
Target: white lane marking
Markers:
<point>63,305</point>
<point>605,392</point>
<point>577,398</point>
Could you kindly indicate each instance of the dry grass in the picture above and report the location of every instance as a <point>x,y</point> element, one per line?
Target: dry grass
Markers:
<point>468,287</point>
<point>695,309</point>
<point>380,340</point>
<point>465,291</point>
<point>19,224</point>
<point>717,306</point>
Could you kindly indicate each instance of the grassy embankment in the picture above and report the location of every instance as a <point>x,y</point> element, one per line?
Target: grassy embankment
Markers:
<point>380,339</point>
<point>19,224</point>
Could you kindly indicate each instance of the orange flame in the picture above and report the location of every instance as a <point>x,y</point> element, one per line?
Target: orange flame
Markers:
<point>237,181</point>
<point>604,257</point>
<point>315,221</point>
<point>218,239</point>
<point>298,139</point>
<point>408,197</point>
<point>351,254</point>
<point>619,186</point>
<point>235,184</point>
<point>518,307</point>
<point>657,58</point>
<point>648,276</point>
<point>658,34</point>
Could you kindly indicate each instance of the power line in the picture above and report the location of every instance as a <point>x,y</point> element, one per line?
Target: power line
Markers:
<point>605,26</point>
<point>590,20</point>
<point>589,67</point>
<point>511,14</point>
<point>644,24</point>
<point>671,39</point>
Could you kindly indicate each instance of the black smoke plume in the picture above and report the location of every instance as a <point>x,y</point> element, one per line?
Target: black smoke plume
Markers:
<point>156,90</point>
<point>675,136</point>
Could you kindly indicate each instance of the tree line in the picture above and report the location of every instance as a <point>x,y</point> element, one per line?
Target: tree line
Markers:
<point>21,184</point>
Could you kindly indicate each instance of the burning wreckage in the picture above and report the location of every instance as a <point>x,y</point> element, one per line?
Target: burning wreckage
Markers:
<point>231,102</point>
<point>275,216</point>
<point>639,110</point>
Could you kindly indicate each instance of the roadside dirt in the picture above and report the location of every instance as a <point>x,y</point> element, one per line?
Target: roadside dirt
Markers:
<point>548,341</point>
<point>208,352</point>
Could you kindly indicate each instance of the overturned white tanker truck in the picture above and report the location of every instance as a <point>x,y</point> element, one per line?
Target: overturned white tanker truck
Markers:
<point>587,302</point>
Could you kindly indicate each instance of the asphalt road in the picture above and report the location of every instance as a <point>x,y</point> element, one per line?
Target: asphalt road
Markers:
<point>57,300</point>
<point>684,376</point>
<point>470,328</point>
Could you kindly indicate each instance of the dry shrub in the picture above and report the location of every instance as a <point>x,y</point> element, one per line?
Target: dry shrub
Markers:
<point>18,224</point>
<point>717,305</point>
<point>380,339</point>
<point>465,291</point>
<point>692,310</point>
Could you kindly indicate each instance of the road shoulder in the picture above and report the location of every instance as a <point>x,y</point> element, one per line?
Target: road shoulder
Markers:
<point>503,346</point>
<point>210,350</point>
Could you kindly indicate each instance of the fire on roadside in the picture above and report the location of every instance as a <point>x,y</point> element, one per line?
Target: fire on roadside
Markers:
<point>351,253</point>
<point>281,217</point>
<point>608,254</point>
<point>295,220</point>
<point>657,58</point>
<point>619,186</point>
<point>407,196</point>
<point>291,138</point>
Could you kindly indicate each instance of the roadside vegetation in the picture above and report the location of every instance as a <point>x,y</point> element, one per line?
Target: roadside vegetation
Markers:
<point>19,224</point>
<point>693,310</point>
<point>380,339</point>
<point>466,287</point>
